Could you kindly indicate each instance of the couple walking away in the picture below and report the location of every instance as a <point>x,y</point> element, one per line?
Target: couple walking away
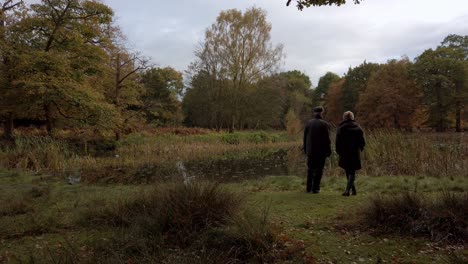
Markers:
<point>317,146</point>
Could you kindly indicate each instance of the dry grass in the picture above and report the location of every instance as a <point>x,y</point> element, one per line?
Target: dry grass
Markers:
<point>140,157</point>
<point>202,222</point>
<point>173,212</point>
<point>442,218</point>
<point>428,154</point>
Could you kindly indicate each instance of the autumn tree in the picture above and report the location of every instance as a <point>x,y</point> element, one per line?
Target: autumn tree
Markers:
<point>320,92</point>
<point>296,93</point>
<point>458,45</point>
<point>206,99</point>
<point>123,88</point>
<point>163,87</point>
<point>333,106</point>
<point>263,103</point>
<point>206,102</point>
<point>8,19</point>
<point>64,51</point>
<point>443,79</point>
<point>355,83</point>
<point>391,98</point>
<point>237,52</point>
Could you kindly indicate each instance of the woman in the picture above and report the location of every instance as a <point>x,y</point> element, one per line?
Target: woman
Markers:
<point>349,144</point>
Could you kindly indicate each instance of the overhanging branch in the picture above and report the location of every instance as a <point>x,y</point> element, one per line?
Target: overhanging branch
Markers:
<point>301,4</point>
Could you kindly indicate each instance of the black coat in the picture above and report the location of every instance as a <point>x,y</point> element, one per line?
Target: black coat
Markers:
<point>317,138</point>
<point>349,143</point>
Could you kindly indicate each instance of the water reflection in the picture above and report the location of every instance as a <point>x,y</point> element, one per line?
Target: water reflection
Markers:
<point>282,162</point>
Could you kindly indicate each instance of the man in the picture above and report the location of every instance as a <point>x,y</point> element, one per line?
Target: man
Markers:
<point>317,148</point>
<point>349,144</point>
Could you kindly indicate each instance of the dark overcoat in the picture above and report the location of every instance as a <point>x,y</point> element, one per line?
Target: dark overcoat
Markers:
<point>317,142</point>
<point>349,144</point>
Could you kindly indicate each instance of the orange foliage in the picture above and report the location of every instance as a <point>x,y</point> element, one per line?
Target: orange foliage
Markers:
<point>391,99</point>
<point>333,107</point>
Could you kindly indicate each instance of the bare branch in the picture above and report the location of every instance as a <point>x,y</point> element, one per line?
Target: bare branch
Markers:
<point>60,111</point>
<point>131,73</point>
<point>7,5</point>
<point>53,8</point>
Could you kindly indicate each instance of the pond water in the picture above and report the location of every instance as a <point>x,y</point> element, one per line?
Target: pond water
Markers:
<point>281,162</point>
<point>232,168</point>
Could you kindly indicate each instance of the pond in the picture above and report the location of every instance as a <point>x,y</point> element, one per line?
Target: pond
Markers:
<point>231,168</point>
<point>281,162</point>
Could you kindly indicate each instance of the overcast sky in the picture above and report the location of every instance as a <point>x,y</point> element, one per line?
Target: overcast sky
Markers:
<point>315,40</point>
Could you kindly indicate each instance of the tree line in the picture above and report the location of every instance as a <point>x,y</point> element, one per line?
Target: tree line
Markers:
<point>235,85</point>
<point>64,63</point>
<point>430,91</point>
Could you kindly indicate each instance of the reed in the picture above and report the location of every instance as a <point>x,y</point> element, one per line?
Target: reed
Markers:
<point>140,155</point>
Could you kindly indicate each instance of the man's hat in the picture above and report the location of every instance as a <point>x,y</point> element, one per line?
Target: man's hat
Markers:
<point>318,109</point>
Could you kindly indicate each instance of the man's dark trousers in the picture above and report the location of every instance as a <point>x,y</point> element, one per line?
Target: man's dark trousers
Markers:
<point>314,172</point>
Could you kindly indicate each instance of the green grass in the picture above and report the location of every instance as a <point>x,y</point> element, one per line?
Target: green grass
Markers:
<point>50,225</point>
<point>322,221</point>
<point>41,216</point>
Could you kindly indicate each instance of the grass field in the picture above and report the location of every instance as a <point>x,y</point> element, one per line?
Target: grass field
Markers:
<point>326,223</point>
<point>43,219</point>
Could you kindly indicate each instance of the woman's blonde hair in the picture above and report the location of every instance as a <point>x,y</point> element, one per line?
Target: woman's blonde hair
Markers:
<point>348,115</point>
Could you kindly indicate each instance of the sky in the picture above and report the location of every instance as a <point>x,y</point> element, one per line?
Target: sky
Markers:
<point>316,40</point>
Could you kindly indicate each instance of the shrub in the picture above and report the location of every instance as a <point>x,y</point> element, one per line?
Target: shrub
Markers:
<point>443,218</point>
<point>448,218</point>
<point>231,138</point>
<point>173,212</point>
<point>259,137</point>
<point>200,223</point>
<point>248,237</point>
<point>394,212</point>
<point>14,207</point>
<point>293,123</point>
<point>36,154</point>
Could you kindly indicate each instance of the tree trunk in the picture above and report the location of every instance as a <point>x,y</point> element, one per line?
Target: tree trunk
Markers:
<point>440,125</point>
<point>117,91</point>
<point>396,123</point>
<point>49,121</point>
<point>232,127</point>
<point>458,126</point>
<point>8,127</point>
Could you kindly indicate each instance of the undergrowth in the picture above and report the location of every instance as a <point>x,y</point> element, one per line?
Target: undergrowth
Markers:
<point>442,218</point>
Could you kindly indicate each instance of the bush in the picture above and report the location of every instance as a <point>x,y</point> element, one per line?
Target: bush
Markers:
<point>232,138</point>
<point>199,223</point>
<point>173,212</point>
<point>36,154</point>
<point>448,218</point>
<point>259,137</point>
<point>14,207</point>
<point>251,238</point>
<point>443,218</point>
<point>293,123</point>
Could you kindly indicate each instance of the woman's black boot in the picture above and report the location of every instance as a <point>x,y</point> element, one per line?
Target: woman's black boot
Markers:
<point>348,187</point>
